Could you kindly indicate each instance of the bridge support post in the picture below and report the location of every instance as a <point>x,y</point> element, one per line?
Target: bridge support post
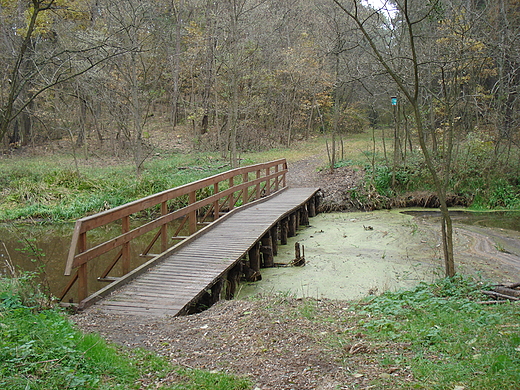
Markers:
<point>312,207</point>
<point>267,250</point>
<point>284,229</point>
<point>304,220</point>
<point>291,231</point>
<point>274,239</point>
<point>254,257</point>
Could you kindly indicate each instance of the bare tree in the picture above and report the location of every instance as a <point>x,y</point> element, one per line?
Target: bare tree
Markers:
<point>136,72</point>
<point>39,55</point>
<point>409,83</point>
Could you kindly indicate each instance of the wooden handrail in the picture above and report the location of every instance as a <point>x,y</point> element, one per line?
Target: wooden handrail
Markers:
<point>270,175</point>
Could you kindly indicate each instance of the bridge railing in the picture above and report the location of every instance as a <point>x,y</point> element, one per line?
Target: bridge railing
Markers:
<point>205,199</point>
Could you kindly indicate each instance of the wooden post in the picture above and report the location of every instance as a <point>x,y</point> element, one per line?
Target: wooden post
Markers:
<point>216,289</point>
<point>267,251</point>
<point>304,216</point>
<point>291,232</point>
<point>312,207</point>
<point>276,182</point>
<point>284,183</point>
<point>125,254</point>
<point>233,280</point>
<point>258,186</point>
<point>82,271</point>
<point>284,228</point>
<point>245,193</point>
<point>192,215</point>
<point>274,239</point>
<point>164,228</point>
<point>267,182</point>
<point>299,259</point>
<point>254,257</point>
<point>216,204</point>
<point>231,203</point>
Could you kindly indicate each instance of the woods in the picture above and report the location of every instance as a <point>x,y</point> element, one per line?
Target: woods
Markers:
<point>250,74</point>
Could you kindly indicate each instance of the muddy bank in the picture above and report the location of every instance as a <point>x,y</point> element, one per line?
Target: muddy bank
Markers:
<point>352,254</point>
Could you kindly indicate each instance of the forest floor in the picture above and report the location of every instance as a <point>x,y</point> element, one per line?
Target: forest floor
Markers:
<point>277,340</point>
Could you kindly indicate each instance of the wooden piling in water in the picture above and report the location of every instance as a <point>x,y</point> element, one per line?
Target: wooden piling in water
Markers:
<point>304,220</point>
<point>284,231</point>
<point>267,250</point>
<point>291,231</point>
<point>254,257</point>
<point>274,239</point>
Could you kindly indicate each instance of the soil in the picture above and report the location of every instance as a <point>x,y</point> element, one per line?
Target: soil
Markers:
<point>273,339</point>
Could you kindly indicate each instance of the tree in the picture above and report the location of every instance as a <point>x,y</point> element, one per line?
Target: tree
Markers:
<point>410,84</point>
<point>40,54</point>
<point>135,75</point>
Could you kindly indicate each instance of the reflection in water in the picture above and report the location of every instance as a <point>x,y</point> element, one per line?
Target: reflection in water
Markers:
<point>37,248</point>
<point>44,248</point>
<point>489,219</point>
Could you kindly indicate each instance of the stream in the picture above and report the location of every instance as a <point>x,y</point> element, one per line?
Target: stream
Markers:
<point>348,255</point>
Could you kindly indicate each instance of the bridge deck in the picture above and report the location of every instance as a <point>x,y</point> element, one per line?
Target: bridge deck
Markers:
<point>184,273</point>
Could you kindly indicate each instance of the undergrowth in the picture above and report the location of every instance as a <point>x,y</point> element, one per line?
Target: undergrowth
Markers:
<point>448,340</point>
<point>481,189</point>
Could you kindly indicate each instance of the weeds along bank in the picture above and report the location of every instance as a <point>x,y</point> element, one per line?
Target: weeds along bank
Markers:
<point>482,181</point>
<point>52,189</point>
<point>59,187</point>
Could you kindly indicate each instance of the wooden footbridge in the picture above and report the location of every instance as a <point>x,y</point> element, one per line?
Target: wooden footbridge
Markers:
<point>232,224</point>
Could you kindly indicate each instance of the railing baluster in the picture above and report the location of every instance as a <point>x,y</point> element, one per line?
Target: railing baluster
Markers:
<point>216,204</point>
<point>276,186</point>
<point>192,216</point>
<point>164,228</point>
<point>258,186</point>
<point>82,271</point>
<point>231,203</point>
<point>245,191</point>
<point>125,228</point>
<point>267,181</point>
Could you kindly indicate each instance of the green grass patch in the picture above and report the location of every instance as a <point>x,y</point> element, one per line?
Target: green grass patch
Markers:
<point>453,340</point>
<point>40,349</point>
<point>203,380</point>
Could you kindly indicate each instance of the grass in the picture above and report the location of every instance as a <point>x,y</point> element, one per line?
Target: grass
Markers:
<point>41,349</point>
<point>451,339</point>
<point>438,336</point>
<point>53,188</point>
<point>47,189</point>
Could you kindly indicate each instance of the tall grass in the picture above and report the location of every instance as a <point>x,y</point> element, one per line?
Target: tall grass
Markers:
<point>471,180</point>
<point>52,189</point>
<point>47,190</point>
